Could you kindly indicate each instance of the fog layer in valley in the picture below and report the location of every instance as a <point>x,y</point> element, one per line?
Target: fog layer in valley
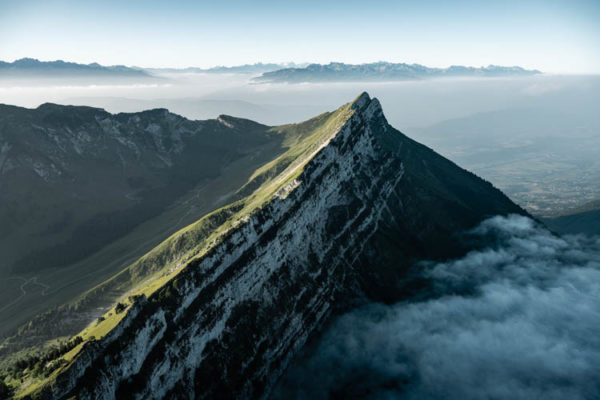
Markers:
<point>517,319</point>
<point>536,138</point>
<point>408,104</point>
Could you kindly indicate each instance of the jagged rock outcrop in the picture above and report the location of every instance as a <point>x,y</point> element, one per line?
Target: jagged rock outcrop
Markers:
<point>365,206</point>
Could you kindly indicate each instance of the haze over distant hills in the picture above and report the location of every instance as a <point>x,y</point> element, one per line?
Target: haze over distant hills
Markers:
<point>584,219</point>
<point>31,67</point>
<point>28,67</point>
<point>383,71</point>
<point>268,72</point>
<point>543,156</point>
<point>257,68</point>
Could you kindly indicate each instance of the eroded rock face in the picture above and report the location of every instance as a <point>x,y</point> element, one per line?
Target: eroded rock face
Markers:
<point>365,206</point>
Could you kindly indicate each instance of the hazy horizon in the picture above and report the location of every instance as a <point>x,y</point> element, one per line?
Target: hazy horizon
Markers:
<point>555,37</point>
<point>289,64</point>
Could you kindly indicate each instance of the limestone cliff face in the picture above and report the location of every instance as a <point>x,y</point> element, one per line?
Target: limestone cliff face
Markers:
<point>365,206</point>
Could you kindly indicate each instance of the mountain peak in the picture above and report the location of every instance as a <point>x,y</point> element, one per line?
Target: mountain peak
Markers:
<point>361,101</point>
<point>368,107</point>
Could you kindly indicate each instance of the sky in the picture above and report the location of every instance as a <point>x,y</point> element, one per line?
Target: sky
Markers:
<point>553,36</point>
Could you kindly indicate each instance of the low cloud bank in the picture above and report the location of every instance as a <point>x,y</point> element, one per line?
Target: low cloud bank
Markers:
<point>519,319</point>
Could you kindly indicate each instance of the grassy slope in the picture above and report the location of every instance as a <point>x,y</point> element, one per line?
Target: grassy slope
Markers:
<point>66,283</point>
<point>166,260</point>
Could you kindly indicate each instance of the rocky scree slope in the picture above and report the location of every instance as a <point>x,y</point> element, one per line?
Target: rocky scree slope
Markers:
<point>363,208</point>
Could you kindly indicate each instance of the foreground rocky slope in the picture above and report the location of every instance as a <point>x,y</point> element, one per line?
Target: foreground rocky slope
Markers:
<point>344,224</point>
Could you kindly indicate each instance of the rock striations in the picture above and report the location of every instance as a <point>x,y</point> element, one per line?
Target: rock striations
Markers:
<point>365,206</point>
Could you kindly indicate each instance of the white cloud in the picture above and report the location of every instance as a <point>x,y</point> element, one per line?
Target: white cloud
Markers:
<point>516,320</point>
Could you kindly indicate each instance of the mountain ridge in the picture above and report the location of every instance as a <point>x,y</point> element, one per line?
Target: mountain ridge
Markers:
<point>75,179</point>
<point>382,71</point>
<point>222,69</point>
<point>342,219</point>
<point>31,67</point>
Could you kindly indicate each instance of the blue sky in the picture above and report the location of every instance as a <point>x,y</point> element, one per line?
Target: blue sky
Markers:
<point>554,36</point>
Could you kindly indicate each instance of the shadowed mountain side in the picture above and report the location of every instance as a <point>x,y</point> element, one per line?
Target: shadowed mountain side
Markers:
<point>84,192</point>
<point>584,219</point>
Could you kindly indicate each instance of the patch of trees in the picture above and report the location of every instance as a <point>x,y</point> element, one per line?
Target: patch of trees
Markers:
<point>42,365</point>
<point>5,390</point>
<point>120,307</point>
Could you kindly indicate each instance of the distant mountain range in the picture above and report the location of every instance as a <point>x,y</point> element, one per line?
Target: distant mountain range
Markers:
<point>268,72</point>
<point>30,67</point>
<point>257,68</point>
<point>382,71</point>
